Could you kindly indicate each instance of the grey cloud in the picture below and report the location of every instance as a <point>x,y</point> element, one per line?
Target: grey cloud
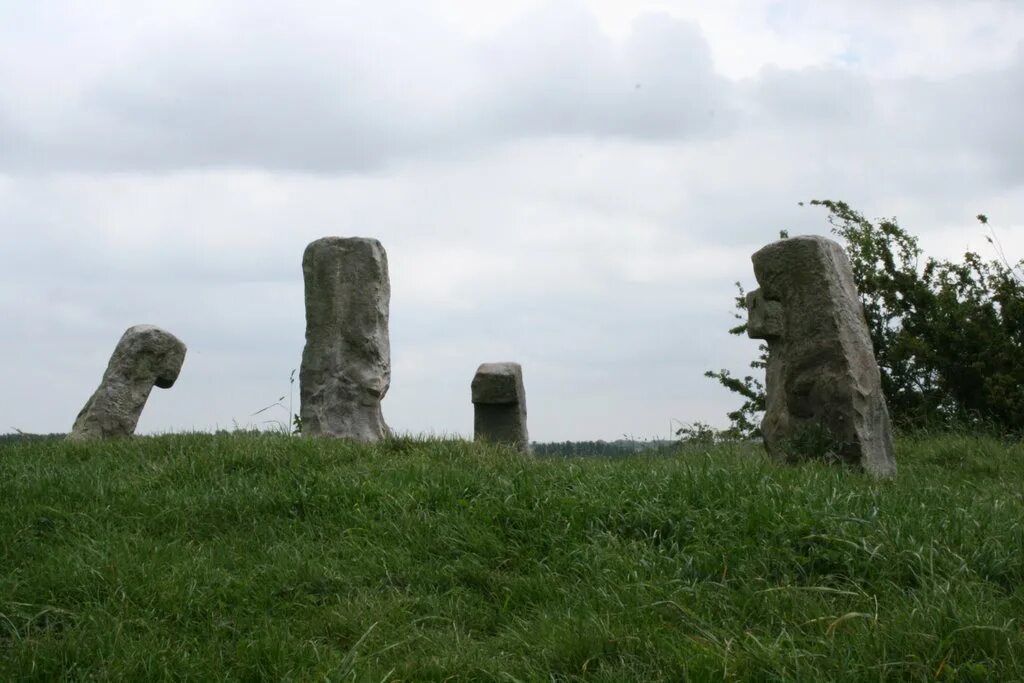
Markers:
<point>979,113</point>
<point>919,133</point>
<point>351,88</point>
<point>556,73</point>
<point>343,94</point>
<point>810,97</point>
<point>601,256</point>
<point>607,365</point>
<point>596,366</point>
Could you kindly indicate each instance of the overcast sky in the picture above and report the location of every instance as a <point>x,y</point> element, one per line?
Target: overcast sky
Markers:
<point>574,186</point>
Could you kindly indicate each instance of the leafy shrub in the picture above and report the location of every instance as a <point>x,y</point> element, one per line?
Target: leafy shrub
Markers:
<point>948,336</point>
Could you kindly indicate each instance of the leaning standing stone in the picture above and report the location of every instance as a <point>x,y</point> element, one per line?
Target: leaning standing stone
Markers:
<point>823,385</point>
<point>346,363</point>
<point>145,356</point>
<point>499,405</point>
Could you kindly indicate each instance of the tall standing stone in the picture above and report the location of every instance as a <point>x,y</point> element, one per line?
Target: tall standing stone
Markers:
<point>346,363</point>
<point>499,405</point>
<point>146,356</point>
<point>823,384</point>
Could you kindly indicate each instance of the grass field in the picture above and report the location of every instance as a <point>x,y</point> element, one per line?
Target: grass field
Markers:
<point>267,557</point>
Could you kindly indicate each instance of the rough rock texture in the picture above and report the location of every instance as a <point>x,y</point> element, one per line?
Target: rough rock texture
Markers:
<point>145,356</point>
<point>823,383</point>
<point>499,404</point>
<point>346,363</point>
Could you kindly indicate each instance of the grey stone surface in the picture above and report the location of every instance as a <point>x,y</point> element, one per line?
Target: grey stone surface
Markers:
<point>499,405</point>
<point>145,356</point>
<point>346,363</point>
<point>823,384</point>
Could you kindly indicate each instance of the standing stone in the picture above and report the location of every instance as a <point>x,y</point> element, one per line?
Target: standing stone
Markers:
<point>145,356</point>
<point>824,390</point>
<point>346,363</point>
<point>499,404</point>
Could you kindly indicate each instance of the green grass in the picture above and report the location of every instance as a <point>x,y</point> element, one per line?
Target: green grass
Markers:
<point>265,557</point>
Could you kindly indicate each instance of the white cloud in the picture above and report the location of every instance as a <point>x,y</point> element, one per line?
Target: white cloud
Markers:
<point>573,186</point>
<point>349,88</point>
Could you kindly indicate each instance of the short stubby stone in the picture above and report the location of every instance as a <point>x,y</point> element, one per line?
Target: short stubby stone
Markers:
<point>823,384</point>
<point>146,356</point>
<point>499,405</point>
<point>346,363</point>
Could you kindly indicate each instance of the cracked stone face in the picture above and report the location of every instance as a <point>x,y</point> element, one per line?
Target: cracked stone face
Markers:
<point>346,362</point>
<point>146,356</point>
<point>823,385</point>
<point>499,405</point>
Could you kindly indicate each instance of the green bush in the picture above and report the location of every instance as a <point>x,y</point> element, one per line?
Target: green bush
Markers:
<point>949,336</point>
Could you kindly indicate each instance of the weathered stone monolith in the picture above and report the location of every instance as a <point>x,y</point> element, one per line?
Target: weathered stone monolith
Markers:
<point>145,356</point>
<point>346,363</point>
<point>499,405</point>
<point>824,391</point>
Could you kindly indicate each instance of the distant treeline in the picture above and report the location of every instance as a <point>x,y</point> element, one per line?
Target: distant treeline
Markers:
<point>18,437</point>
<point>621,447</point>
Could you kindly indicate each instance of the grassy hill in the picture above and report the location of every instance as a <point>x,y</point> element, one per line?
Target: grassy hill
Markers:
<point>268,557</point>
